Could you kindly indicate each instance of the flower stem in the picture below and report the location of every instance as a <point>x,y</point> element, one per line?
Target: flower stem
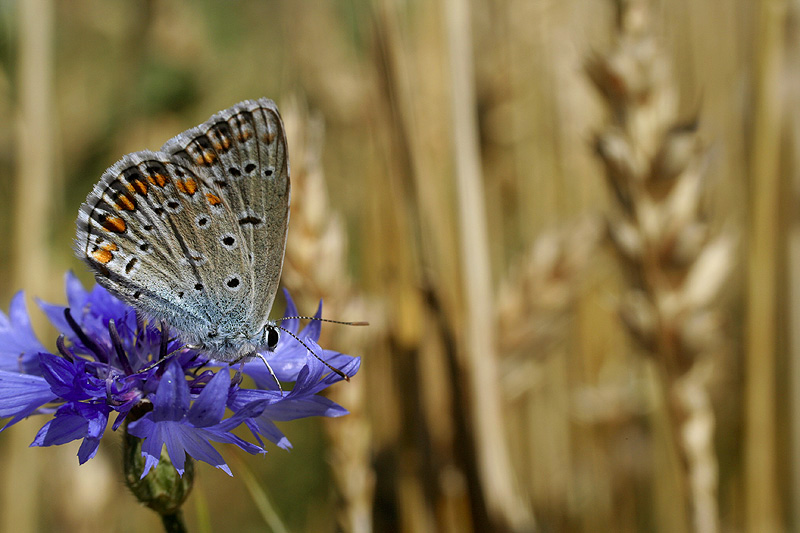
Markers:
<point>173,522</point>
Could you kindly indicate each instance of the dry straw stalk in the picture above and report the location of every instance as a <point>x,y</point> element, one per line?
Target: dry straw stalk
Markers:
<point>316,263</point>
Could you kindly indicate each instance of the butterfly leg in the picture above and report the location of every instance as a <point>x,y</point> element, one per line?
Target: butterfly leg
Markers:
<point>163,348</point>
<point>264,359</point>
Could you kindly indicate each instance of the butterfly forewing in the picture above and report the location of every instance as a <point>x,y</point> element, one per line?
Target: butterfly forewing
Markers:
<point>195,233</point>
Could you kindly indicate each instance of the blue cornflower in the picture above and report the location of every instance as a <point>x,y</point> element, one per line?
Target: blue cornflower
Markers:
<point>104,366</point>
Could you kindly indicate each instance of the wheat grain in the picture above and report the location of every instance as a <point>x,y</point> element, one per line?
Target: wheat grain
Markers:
<point>676,268</point>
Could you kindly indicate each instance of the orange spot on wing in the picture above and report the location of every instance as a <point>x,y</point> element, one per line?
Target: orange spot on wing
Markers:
<point>205,158</point>
<point>138,186</point>
<point>110,247</point>
<point>187,186</point>
<point>158,179</point>
<point>213,199</point>
<point>115,224</point>
<point>220,139</point>
<point>222,144</point>
<point>102,256</point>
<point>125,202</point>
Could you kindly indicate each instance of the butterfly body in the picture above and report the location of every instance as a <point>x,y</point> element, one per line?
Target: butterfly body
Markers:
<point>194,234</point>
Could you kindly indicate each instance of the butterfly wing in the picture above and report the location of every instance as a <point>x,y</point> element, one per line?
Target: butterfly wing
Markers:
<point>243,151</point>
<point>195,233</point>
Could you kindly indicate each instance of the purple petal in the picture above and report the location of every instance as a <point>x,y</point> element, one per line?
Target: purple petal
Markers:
<point>59,373</point>
<point>21,322</point>
<point>151,461</point>
<point>196,444</point>
<point>314,327</point>
<point>291,310</point>
<point>22,394</point>
<point>227,437</point>
<point>171,401</point>
<point>146,429</point>
<point>73,421</point>
<point>61,430</point>
<point>76,293</point>
<point>18,342</point>
<point>88,449</point>
<point>263,426</point>
<point>209,407</point>
<point>285,368</point>
<point>304,407</point>
<point>97,415</point>
<point>170,433</point>
<point>55,314</point>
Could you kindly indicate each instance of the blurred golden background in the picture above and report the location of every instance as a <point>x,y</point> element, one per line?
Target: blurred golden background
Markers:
<point>569,223</point>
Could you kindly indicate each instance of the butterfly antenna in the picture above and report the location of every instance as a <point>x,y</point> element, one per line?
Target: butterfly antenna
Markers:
<point>323,361</point>
<point>359,323</point>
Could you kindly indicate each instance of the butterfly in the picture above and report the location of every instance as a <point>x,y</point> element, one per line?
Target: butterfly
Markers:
<point>194,234</point>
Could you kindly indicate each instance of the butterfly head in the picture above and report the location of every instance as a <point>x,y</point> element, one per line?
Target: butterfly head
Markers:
<point>232,347</point>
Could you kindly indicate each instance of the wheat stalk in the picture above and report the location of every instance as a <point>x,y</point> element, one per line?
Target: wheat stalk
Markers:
<point>655,166</point>
<point>315,263</point>
<point>536,303</point>
<point>36,172</point>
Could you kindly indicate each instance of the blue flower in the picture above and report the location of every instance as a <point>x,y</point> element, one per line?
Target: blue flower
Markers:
<point>104,366</point>
<point>185,427</point>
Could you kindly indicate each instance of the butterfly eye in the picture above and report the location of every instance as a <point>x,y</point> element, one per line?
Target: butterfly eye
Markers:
<point>272,338</point>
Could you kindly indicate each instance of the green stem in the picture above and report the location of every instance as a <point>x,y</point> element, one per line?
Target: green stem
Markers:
<point>173,522</point>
